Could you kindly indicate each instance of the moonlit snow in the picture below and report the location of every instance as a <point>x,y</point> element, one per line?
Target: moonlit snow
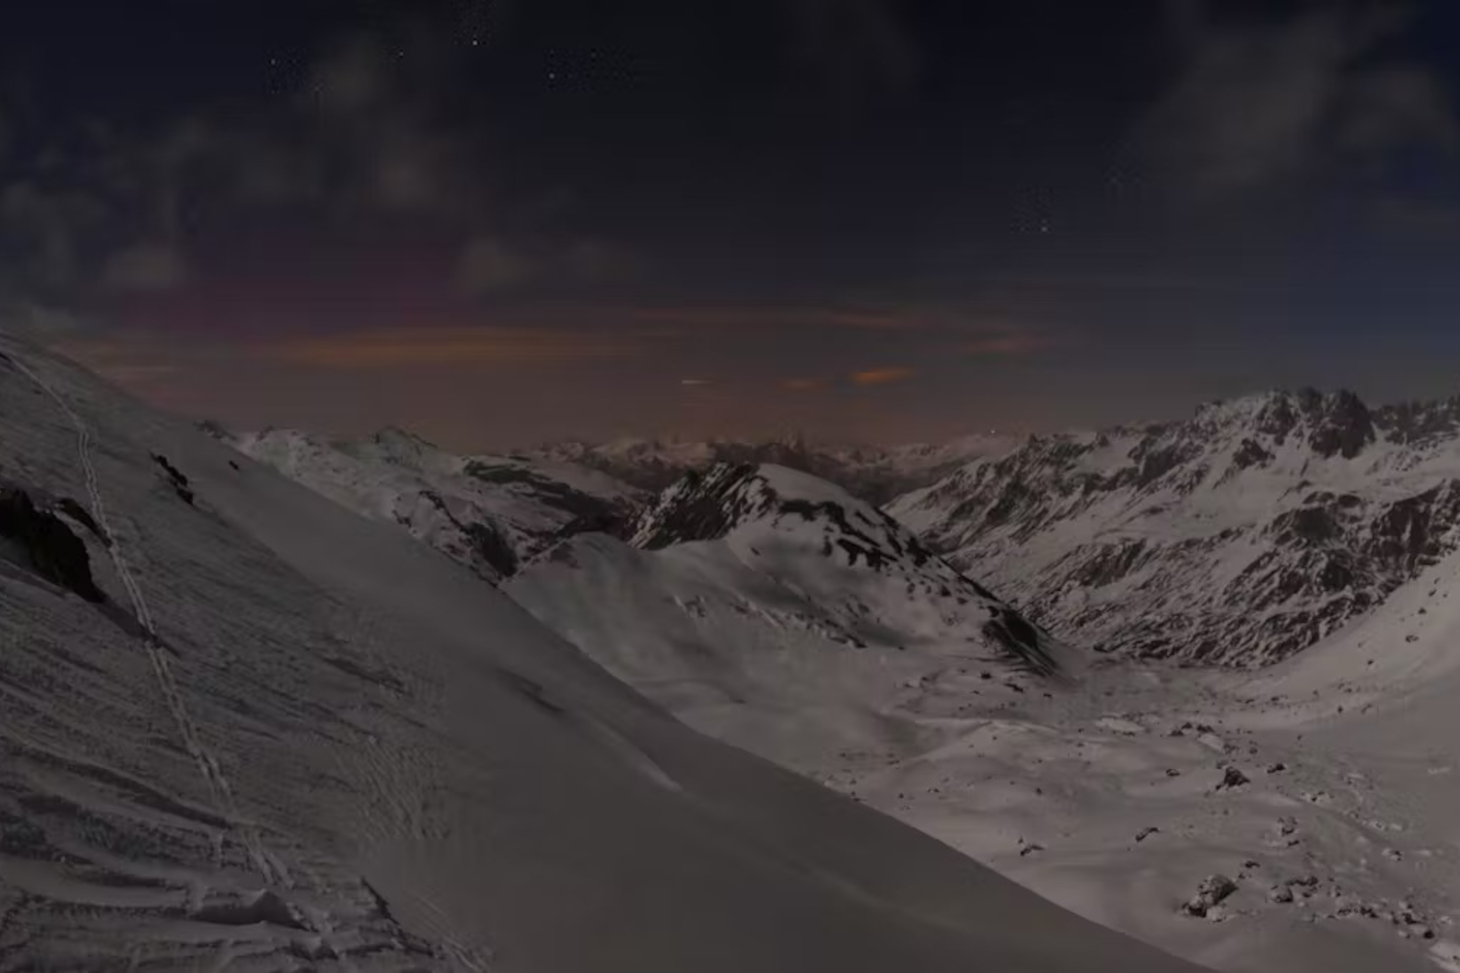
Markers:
<point>288,738</point>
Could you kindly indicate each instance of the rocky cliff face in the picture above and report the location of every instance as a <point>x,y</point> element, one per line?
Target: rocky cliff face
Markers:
<point>1239,536</point>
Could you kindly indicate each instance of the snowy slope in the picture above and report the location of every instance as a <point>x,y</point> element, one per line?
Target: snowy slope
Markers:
<point>1240,536</point>
<point>872,473</point>
<point>277,736</point>
<point>772,608</point>
<point>488,512</point>
<point>1108,792</point>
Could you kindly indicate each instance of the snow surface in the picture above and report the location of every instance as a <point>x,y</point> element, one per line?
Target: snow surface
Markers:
<point>294,739</point>
<point>488,512</point>
<point>1105,790</point>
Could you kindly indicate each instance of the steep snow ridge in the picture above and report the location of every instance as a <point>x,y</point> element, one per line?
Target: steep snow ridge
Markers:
<point>488,512</point>
<point>872,473</point>
<point>288,738</point>
<point>1240,536</point>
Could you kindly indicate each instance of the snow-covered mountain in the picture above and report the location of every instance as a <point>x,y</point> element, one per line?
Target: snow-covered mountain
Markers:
<point>873,473</point>
<point>1189,808</point>
<point>489,512</point>
<point>1239,536</point>
<point>268,734</point>
<point>754,599</point>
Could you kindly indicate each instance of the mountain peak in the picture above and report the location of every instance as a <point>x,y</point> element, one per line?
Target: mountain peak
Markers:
<point>1329,423</point>
<point>819,538</point>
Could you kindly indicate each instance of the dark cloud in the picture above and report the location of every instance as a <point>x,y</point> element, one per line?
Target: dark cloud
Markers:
<point>856,45</point>
<point>42,228</point>
<point>361,137</point>
<point>885,375</point>
<point>144,267</point>
<point>373,135</point>
<point>489,265</point>
<point>1256,104</point>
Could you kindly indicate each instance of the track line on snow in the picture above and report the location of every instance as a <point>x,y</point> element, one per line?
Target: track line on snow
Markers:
<point>207,763</point>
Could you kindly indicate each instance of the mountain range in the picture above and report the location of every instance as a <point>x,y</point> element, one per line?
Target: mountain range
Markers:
<point>246,729</point>
<point>764,598</point>
<point>1041,703</point>
<point>1239,536</point>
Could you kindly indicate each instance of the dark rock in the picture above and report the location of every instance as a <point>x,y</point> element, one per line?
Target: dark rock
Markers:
<point>175,477</point>
<point>1342,425</point>
<point>1233,778</point>
<point>493,548</point>
<point>1213,889</point>
<point>52,550</point>
<point>1251,453</point>
<point>83,517</point>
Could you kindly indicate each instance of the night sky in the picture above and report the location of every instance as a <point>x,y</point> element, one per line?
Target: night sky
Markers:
<point>503,221</point>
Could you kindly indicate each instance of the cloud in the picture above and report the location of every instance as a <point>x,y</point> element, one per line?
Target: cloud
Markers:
<point>762,316</point>
<point>437,347</point>
<point>488,265</point>
<point>136,360</point>
<point>1012,343</point>
<point>363,137</point>
<point>858,46</point>
<point>695,382</point>
<point>43,323</point>
<point>46,227</point>
<point>1255,104</point>
<point>1394,106</point>
<point>803,384</point>
<point>144,267</point>
<point>602,262</point>
<point>882,376</point>
<point>1422,217</point>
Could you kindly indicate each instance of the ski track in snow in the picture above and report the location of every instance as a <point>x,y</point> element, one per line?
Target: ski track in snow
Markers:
<point>208,765</point>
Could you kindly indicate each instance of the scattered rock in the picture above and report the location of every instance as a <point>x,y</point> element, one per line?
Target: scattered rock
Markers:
<point>1212,890</point>
<point>1212,741</point>
<point>1232,778</point>
<point>1281,894</point>
<point>175,477</point>
<point>1305,884</point>
<point>1145,833</point>
<point>1276,768</point>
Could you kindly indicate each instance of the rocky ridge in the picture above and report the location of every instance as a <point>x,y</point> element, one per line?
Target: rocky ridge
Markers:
<point>1239,536</point>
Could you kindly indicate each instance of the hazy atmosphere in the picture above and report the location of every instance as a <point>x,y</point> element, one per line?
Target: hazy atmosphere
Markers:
<point>498,222</point>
